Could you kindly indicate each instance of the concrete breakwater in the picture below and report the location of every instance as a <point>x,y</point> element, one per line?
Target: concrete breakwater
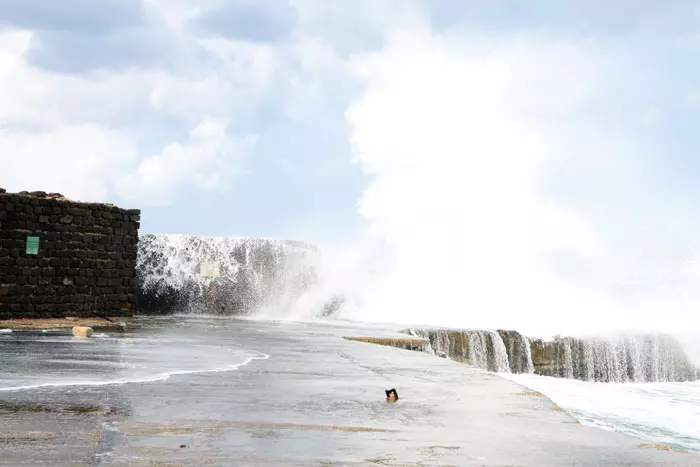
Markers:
<point>483,349</point>
<point>408,343</point>
<point>60,257</point>
<point>318,400</point>
<point>628,358</point>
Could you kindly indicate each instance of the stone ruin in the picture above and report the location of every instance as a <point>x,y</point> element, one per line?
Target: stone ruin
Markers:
<point>60,257</point>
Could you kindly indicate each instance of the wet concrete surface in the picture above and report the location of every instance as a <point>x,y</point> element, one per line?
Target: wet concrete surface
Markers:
<point>318,400</point>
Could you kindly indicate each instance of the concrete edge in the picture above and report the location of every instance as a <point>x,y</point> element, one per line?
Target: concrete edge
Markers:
<point>390,341</point>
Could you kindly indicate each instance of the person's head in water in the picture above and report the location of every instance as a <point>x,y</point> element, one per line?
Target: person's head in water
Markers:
<point>392,395</point>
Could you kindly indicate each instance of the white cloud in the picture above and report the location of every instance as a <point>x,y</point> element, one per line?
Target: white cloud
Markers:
<point>21,89</point>
<point>155,113</point>
<point>315,74</point>
<point>79,160</point>
<point>176,13</point>
<point>87,136</point>
<point>189,99</point>
<point>30,96</point>
<point>207,162</point>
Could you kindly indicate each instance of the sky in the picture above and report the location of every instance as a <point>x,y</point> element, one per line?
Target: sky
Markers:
<point>550,146</point>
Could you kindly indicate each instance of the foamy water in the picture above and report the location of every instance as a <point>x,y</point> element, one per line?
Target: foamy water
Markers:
<point>659,412</point>
<point>56,360</point>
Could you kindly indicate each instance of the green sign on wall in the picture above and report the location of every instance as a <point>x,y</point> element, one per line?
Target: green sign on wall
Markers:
<point>32,245</point>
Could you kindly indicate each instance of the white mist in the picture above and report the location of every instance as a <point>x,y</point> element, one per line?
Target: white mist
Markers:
<point>464,141</point>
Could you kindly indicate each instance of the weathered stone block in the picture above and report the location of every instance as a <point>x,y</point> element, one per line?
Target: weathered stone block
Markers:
<point>82,331</point>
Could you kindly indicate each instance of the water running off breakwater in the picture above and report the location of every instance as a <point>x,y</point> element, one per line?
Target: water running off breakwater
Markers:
<point>626,358</point>
<point>645,386</point>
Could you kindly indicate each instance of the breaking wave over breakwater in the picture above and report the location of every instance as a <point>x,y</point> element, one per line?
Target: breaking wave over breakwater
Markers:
<point>221,275</point>
<point>242,276</point>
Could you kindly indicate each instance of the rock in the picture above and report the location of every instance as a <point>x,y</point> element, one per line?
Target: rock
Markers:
<point>82,331</point>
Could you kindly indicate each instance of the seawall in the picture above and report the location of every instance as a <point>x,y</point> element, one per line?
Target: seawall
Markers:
<point>60,257</point>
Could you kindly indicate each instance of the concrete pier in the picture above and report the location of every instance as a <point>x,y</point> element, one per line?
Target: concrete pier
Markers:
<point>317,400</point>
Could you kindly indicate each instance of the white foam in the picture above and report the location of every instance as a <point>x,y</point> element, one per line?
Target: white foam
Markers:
<point>661,412</point>
<point>274,272</point>
<point>150,379</point>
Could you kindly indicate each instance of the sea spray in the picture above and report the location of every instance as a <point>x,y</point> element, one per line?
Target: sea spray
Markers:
<point>183,273</point>
<point>497,207</point>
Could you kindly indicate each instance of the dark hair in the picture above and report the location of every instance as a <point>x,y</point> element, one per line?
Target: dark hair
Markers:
<point>391,391</point>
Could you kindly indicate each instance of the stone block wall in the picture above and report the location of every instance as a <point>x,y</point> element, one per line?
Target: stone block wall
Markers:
<point>86,260</point>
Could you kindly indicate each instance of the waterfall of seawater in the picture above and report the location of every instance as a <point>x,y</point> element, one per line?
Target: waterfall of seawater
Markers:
<point>518,351</point>
<point>483,349</point>
<point>184,273</point>
<point>651,358</point>
<point>477,350</point>
<point>622,359</point>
